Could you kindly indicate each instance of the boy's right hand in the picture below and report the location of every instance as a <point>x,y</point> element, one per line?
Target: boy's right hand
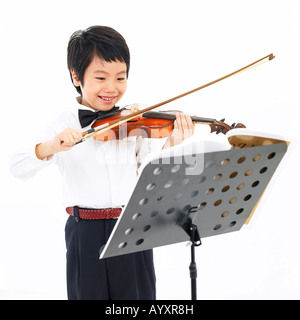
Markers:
<point>64,141</point>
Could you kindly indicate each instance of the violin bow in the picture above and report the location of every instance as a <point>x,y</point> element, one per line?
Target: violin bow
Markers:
<point>109,125</point>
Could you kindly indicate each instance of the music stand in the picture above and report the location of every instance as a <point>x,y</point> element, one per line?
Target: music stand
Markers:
<point>172,204</point>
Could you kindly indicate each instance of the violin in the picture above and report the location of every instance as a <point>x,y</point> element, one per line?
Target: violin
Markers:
<point>153,124</point>
<point>157,124</point>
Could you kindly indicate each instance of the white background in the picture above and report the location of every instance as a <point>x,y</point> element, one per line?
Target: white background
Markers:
<point>175,46</point>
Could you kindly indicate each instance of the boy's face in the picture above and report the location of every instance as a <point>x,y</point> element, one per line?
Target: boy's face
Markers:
<point>104,84</point>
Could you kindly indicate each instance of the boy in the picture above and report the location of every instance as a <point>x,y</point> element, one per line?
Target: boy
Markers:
<point>98,177</point>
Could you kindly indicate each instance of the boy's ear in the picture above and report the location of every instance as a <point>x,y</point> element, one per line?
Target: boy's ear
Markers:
<point>75,78</point>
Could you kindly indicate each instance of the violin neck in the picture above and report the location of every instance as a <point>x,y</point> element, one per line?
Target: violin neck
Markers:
<point>172,116</point>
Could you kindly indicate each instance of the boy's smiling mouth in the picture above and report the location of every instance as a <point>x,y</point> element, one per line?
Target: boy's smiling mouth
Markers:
<point>106,99</point>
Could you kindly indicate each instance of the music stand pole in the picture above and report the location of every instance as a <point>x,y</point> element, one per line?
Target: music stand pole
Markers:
<point>195,240</point>
<point>193,265</point>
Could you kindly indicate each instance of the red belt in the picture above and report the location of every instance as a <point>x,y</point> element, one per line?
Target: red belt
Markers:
<point>94,214</point>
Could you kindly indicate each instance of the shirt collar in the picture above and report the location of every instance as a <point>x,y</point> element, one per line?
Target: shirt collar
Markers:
<point>81,106</point>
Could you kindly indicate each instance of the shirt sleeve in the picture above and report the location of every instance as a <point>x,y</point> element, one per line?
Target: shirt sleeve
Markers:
<point>24,164</point>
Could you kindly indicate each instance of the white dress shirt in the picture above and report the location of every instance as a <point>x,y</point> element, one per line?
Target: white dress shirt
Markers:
<point>95,174</point>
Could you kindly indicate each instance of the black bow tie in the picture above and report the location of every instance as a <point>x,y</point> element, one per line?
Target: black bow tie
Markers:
<point>86,117</point>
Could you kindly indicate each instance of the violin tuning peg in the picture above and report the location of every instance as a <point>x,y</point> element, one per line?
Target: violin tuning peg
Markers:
<point>233,125</point>
<point>222,120</point>
<point>219,130</point>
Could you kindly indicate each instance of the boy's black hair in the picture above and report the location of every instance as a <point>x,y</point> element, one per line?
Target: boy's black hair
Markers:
<point>102,41</point>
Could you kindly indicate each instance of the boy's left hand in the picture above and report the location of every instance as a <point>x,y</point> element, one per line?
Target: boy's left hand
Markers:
<point>183,129</point>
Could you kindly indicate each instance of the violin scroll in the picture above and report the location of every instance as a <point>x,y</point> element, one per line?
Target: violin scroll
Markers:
<point>222,127</point>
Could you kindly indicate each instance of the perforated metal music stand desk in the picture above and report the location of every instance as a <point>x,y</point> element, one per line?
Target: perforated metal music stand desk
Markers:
<point>171,204</point>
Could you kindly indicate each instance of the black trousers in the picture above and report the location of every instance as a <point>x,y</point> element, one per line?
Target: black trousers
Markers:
<point>125,277</point>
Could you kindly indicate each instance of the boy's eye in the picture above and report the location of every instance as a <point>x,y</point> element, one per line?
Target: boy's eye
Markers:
<point>100,78</point>
<point>121,79</point>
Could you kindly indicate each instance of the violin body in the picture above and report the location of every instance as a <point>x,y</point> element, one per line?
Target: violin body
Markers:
<point>155,125</point>
<point>139,126</point>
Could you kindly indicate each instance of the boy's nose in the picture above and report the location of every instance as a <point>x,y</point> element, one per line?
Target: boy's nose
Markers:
<point>109,86</point>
